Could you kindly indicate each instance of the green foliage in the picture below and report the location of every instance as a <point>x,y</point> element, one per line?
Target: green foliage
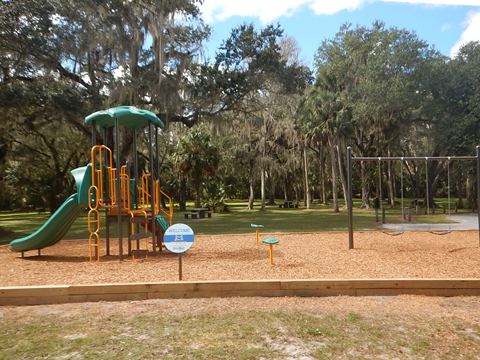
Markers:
<point>214,194</point>
<point>196,158</point>
<point>374,72</point>
<point>377,88</point>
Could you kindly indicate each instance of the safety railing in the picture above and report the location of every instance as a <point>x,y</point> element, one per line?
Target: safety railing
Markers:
<point>97,154</point>
<point>125,191</point>
<point>93,223</point>
<point>132,229</point>
<point>112,185</point>
<point>145,195</point>
<point>158,203</point>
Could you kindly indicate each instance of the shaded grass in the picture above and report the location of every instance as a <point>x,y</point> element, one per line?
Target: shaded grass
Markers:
<point>238,335</point>
<point>236,221</point>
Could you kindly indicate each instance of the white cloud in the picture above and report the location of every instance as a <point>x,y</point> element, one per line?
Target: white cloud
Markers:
<point>327,7</point>
<point>269,10</point>
<point>265,10</point>
<point>471,32</point>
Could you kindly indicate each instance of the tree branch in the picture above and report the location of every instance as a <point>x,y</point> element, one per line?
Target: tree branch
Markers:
<point>74,77</point>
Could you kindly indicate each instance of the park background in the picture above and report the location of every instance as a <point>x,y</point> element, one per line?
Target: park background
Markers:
<point>250,119</point>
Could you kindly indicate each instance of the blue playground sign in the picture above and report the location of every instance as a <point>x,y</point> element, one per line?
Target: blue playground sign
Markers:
<point>178,238</point>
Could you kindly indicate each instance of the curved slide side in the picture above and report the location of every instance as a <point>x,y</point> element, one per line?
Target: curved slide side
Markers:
<point>61,220</point>
<point>54,228</point>
<point>83,180</point>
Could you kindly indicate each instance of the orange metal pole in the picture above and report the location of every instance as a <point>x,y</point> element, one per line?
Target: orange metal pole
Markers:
<point>271,254</point>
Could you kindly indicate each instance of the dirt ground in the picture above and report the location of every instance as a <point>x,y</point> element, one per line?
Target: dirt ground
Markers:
<point>461,308</point>
<point>233,257</point>
<point>399,327</point>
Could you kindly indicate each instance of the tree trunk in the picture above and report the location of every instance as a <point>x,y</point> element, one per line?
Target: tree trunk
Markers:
<point>459,186</point>
<point>333,163</point>
<point>391,191</point>
<point>251,197</point>
<point>183,195</point>
<point>271,201</point>
<point>365,188</point>
<point>434,173</point>
<point>198,202</point>
<point>308,200</point>
<point>470,192</point>
<point>262,188</point>
<point>343,177</point>
<point>323,193</point>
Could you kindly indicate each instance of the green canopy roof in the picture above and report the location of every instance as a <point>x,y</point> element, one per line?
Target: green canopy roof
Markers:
<point>128,116</point>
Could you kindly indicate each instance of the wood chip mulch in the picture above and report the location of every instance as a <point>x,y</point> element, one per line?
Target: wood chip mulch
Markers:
<point>235,257</point>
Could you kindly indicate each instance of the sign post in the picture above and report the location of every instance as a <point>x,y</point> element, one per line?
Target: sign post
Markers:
<point>178,239</point>
<point>180,267</point>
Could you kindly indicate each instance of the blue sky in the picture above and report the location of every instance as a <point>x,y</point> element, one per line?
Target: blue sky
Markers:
<point>446,26</point>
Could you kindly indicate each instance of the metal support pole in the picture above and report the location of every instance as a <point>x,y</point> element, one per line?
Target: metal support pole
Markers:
<point>105,194</point>
<point>478,192</point>
<point>180,270</point>
<point>401,188</point>
<point>97,195</point>
<point>426,182</point>
<point>157,163</point>
<point>152,178</point>
<point>94,135</point>
<point>448,186</point>
<point>413,158</point>
<point>157,153</point>
<point>349,198</point>
<point>119,192</point>
<point>380,192</point>
<point>107,232</point>
<point>135,166</point>
<point>106,197</point>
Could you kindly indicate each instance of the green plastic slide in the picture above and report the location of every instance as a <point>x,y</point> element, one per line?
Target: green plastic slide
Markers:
<point>62,219</point>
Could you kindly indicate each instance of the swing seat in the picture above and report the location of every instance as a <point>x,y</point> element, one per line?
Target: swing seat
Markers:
<point>440,232</point>
<point>393,233</point>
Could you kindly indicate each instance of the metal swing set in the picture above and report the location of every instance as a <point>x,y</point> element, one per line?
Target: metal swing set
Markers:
<point>402,159</point>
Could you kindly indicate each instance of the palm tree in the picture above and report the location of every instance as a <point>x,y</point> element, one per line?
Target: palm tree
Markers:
<point>196,158</point>
<point>324,113</point>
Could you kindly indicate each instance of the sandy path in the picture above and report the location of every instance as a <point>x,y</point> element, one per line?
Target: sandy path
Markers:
<point>462,222</point>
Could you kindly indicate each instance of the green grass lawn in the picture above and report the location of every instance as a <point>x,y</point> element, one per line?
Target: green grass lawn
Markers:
<point>237,220</point>
<point>276,334</point>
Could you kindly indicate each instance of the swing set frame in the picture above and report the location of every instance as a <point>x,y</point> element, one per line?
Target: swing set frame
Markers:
<point>380,159</point>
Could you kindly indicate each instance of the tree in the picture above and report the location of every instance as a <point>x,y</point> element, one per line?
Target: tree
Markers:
<point>372,75</point>
<point>61,60</point>
<point>196,158</point>
<point>324,112</point>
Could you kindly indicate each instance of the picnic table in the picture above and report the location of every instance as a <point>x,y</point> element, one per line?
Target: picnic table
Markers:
<point>198,213</point>
<point>288,205</point>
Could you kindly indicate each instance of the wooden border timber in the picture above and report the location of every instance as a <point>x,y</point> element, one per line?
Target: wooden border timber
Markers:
<point>56,294</point>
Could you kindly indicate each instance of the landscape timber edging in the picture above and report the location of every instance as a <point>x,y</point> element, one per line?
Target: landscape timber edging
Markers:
<point>57,294</point>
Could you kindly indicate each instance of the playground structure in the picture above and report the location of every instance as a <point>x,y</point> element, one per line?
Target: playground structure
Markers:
<point>257,228</point>
<point>106,184</point>
<point>270,242</point>
<point>402,159</point>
